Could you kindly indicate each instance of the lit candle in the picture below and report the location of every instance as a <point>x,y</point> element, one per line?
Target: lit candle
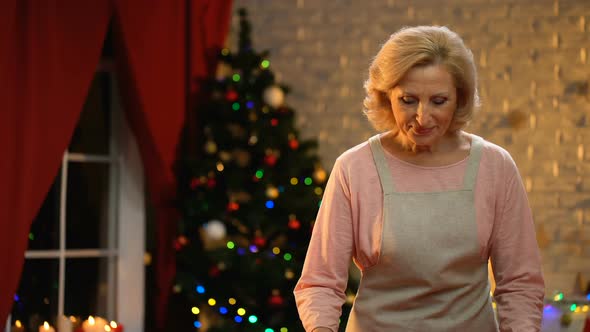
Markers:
<point>46,328</point>
<point>94,324</point>
<point>115,327</point>
<point>64,324</point>
<point>17,327</point>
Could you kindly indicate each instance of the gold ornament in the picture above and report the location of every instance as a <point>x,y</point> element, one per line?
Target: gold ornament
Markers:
<point>210,147</point>
<point>242,157</point>
<point>320,175</point>
<point>272,192</point>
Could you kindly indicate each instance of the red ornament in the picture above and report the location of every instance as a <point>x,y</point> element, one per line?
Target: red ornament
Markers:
<point>211,183</point>
<point>274,122</point>
<point>294,224</point>
<point>233,206</point>
<point>276,300</point>
<point>270,159</point>
<point>259,241</point>
<point>195,182</point>
<point>293,144</point>
<point>231,95</point>
<point>177,245</point>
<point>214,271</point>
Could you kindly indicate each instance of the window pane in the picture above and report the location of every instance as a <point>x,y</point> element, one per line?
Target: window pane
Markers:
<point>44,233</point>
<point>92,132</point>
<point>87,206</point>
<point>36,298</point>
<point>87,287</point>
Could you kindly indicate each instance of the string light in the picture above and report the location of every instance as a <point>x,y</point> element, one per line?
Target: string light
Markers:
<point>270,204</point>
<point>236,77</point>
<point>276,250</point>
<point>259,174</point>
<point>287,257</point>
<point>294,181</point>
<point>238,319</point>
<point>269,330</point>
<point>558,297</point>
<point>225,51</point>
<point>241,311</point>
<point>235,106</point>
<point>230,245</point>
<point>308,181</point>
<point>211,301</point>
<point>252,319</point>
<point>200,289</point>
<point>197,324</point>
<point>231,301</point>
<point>196,311</point>
<point>223,310</point>
<point>318,191</point>
<point>265,64</point>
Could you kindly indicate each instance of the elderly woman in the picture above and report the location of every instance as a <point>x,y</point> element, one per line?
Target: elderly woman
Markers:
<point>422,206</point>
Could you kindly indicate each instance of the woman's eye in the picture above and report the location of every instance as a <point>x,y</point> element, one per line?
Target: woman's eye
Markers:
<point>407,100</point>
<point>439,101</point>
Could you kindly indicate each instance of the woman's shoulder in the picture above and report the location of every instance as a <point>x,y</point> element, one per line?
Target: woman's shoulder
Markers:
<point>496,155</point>
<point>357,154</point>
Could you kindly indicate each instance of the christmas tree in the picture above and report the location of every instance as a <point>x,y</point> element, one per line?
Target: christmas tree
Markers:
<point>248,200</point>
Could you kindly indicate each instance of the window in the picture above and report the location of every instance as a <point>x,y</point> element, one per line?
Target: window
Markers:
<point>87,243</point>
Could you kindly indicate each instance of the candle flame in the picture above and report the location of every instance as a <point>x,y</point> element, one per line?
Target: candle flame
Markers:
<point>18,324</point>
<point>91,320</point>
<point>114,324</point>
<point>46,326</point>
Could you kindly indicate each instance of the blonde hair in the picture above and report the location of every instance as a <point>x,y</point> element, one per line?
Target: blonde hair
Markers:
<point>420,46</point>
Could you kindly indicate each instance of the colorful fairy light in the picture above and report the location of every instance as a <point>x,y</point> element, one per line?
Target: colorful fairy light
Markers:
<point>231,301</point>
<point>197,324</point>
<point>200,289</point>
<point>236,77</point>
<point>264,64</point>
<point>211,301</point>
<point>241,311</point>
<point>252,319</point>
<point>270,204</point>
<point>230,245</point>
<point>196,311</point>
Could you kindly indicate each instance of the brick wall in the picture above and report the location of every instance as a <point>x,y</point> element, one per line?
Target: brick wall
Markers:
<point>533,64</point>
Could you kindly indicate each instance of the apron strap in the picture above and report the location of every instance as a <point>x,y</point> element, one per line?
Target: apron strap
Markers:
<point>473,163</point>
<point>381,163</point>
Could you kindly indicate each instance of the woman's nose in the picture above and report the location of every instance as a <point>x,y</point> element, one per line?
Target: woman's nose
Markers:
<point>422,114</point>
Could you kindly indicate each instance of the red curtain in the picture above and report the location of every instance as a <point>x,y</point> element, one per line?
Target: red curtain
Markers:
<point>50,50</point>
<point>42,91</point>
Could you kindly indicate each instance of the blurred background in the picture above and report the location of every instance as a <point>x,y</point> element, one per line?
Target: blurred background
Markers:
<point>132,184</point>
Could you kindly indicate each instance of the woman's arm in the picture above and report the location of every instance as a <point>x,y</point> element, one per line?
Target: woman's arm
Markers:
<point>516,260</point>
<point>320,291</point>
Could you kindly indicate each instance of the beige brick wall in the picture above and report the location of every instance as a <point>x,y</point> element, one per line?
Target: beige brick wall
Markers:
<point>534,70</point>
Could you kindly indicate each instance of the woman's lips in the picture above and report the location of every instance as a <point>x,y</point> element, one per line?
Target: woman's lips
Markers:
<point>422,131</point>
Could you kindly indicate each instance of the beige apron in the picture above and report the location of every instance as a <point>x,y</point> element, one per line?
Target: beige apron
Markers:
<point>430,276</point>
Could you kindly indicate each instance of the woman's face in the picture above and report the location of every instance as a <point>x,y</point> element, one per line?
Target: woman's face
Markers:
<point>423,104</point>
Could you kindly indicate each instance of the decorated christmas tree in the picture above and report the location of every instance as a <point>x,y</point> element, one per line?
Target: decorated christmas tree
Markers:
<point>248,199</point>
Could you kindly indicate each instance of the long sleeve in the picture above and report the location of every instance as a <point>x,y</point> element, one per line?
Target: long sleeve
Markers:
<point>319,293</point>
<point>516,260</point>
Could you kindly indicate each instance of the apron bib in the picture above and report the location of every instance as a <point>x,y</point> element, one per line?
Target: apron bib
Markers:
<point>430,276</point>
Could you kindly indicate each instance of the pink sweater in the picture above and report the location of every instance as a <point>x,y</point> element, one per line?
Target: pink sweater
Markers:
<point>349,224</point>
